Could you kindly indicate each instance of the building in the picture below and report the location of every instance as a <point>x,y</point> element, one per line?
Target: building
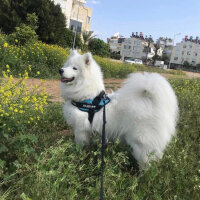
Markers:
<point>80,16</point>
<point>66,6</point>
<point>77,15</point>
<point>115,42</point>
<point>187,50</point>
<point>166,44</point>
<point>137,47</point>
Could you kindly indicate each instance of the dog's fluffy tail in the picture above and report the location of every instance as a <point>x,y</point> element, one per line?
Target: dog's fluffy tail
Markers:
<point>149,94</point>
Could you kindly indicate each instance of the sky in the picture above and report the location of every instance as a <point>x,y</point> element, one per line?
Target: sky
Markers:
<point>166,18</point>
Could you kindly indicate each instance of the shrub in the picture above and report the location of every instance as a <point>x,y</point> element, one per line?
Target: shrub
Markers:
<point>68,40</point>
<point>115,55</point>
<point>25,33</point>
<point>41,57</point>
<point>20,110</point>
<point>99,47</point>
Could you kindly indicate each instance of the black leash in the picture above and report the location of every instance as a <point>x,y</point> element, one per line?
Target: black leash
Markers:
<point>103,147</point>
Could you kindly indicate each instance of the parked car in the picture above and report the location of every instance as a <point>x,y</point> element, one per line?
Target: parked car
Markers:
<point>133,61</point>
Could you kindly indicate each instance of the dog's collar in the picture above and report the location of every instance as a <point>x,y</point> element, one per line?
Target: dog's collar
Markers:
<point>92,105</point>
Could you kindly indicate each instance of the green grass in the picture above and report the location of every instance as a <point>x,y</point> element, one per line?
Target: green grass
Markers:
<point>62,170</point>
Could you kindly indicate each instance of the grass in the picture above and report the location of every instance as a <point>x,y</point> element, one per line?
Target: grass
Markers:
<point>61,170</point>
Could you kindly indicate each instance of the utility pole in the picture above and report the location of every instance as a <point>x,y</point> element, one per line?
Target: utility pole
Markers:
<point>76,27</point>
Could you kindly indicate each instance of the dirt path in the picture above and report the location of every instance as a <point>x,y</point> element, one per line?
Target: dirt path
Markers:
<point>53,86</point>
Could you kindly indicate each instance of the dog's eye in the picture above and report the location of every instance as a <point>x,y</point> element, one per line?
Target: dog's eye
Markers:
<point>74,68</point>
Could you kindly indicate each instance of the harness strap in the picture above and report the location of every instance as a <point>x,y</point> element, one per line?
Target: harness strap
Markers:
<point>92,105</point>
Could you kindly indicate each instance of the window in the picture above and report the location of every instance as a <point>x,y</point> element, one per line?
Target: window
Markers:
<point>188,53</point>
<point>75,24</point>
<point>195,54</point>
<point>72,28</point>
<point>124,46</point>
<point>88,19</point>
<point>193,62</point>
<point>175,58</point>
<point>183,52</point>
<point>184,46</point>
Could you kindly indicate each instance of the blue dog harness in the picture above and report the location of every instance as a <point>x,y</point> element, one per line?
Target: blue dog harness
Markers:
<point>91,106</point>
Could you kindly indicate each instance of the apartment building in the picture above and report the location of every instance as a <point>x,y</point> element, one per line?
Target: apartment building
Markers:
<point>115,42</point>
<point>187,50</point>
<point>80,16</point>
<point>166,44</point>
<point>77,14</point>
<point>137,47</point>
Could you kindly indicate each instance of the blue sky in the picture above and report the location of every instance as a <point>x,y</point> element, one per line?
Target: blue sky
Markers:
<point>152,17</point>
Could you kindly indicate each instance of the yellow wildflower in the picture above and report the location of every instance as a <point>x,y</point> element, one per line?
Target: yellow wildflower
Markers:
<point>16,110</point>
<point>5,44</point>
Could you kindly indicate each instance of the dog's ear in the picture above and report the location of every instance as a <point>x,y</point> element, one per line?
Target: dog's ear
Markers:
<point>73,53</point>
<point>87,57</point>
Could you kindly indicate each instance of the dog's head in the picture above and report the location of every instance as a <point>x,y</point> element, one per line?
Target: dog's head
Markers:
<point>81,77</point>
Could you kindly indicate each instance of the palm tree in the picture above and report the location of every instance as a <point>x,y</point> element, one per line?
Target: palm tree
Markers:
<point>87,36</point>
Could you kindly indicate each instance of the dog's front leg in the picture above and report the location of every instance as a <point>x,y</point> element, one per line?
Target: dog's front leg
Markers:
<point>81,137</point>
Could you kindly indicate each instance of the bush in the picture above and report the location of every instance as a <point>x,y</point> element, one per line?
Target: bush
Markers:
<point>25,33</point>
<point>68,40</point>
<point>41,57</point>
<point>115,55</point>
<point>20,110</point>
<point>99,47</point>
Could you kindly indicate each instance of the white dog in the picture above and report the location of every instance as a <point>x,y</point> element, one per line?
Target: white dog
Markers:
<point>143,113</point>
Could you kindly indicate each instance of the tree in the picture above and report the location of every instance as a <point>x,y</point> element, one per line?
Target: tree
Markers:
<point>51,20</point>
<point>115,55</point>
<point>187,65</point>
<point>198,66</point>
<point>156,56</point>
<point>68,39</point>
<point>99,47</point>
<point>166,59</point>
<point>87,37</point>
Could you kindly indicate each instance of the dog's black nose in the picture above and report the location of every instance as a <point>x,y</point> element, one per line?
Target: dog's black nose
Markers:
<point>61,71</point>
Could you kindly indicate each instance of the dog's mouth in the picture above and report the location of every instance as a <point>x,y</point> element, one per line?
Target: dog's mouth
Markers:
<point>66,80</point>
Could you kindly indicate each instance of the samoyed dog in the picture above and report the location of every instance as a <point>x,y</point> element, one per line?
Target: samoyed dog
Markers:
<point>143,112</point>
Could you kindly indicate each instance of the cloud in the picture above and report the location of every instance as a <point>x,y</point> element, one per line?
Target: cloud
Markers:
<point>94,2</point>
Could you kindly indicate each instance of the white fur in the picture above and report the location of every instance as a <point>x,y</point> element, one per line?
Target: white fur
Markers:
<point>143,112</point>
